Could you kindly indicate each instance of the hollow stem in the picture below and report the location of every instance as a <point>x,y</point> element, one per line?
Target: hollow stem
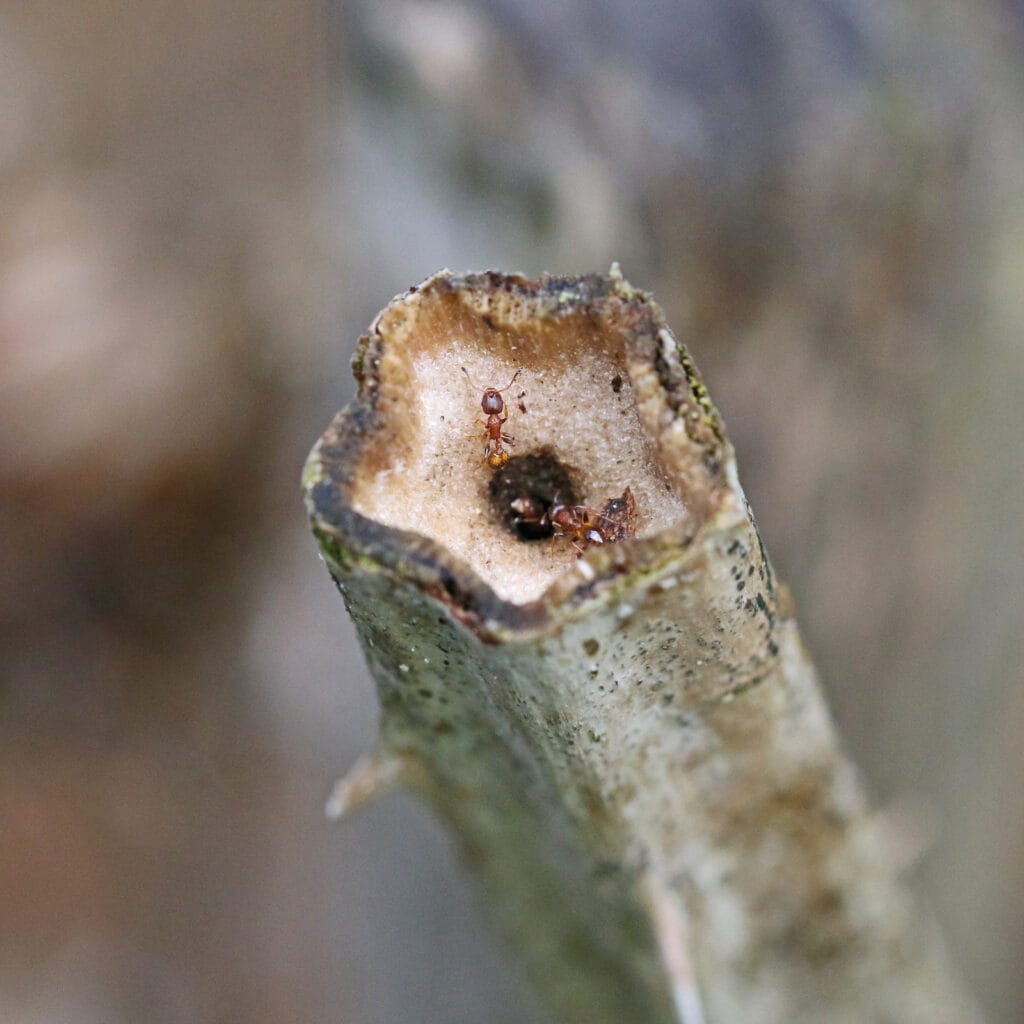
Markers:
<point>629,745</point>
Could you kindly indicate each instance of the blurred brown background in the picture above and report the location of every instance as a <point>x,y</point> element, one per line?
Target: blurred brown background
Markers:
<point>202,205</point>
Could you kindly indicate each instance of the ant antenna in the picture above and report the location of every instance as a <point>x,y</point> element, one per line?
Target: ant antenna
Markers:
<point>474,384</point>
<point>511,382</point>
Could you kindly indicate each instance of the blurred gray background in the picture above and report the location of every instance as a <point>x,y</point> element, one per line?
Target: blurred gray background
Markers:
<point>203,204</point>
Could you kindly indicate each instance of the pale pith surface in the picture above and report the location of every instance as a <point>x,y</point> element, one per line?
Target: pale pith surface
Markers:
<point>424,472</point>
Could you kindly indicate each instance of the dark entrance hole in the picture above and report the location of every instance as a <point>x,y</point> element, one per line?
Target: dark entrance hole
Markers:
<point>525,488</point>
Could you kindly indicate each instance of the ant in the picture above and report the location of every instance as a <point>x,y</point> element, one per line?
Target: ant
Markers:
<point>582,525</point>
<point>494,406</point>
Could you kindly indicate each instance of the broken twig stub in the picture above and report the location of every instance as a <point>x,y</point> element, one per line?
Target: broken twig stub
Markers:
<point>624,733</point>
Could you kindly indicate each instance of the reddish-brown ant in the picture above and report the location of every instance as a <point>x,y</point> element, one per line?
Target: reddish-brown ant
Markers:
<point>582,525</point>
<point>494,406</point>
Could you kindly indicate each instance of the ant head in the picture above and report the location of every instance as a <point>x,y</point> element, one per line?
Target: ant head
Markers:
<point>492,402</point>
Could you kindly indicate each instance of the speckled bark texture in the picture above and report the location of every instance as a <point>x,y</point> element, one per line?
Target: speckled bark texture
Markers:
<point>631,747</point>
